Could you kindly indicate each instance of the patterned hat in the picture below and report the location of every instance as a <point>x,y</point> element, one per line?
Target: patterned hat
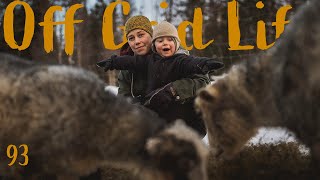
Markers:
<point>138,22</point>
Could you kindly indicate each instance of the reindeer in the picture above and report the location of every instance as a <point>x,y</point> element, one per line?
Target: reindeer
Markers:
<point>279,88</point>
<point>72,126</point>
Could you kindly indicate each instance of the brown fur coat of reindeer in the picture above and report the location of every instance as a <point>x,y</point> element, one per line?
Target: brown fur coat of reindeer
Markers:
<point>279,88</point>
<point>72,126</point>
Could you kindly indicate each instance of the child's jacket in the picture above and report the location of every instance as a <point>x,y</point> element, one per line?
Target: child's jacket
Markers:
<point>161,71</point>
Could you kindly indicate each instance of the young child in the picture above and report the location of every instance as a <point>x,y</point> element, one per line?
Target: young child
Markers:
<point>168,62</point>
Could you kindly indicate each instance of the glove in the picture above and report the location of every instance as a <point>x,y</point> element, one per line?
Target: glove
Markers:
<point>107,64</point>
<point>160,97</point>
<point>211,65</point>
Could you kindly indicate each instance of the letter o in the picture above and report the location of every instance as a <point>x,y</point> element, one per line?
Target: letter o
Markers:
<point>9,29</point>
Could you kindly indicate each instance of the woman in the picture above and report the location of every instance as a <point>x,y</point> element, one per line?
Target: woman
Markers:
<point>175,100</point>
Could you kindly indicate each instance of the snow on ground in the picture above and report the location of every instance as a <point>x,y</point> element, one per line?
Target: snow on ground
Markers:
<point>112,89</point>
<point>272,136</point>
<point>268,135</point>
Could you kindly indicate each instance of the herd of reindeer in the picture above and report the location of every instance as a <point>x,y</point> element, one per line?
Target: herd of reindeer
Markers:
<point>72,126</point>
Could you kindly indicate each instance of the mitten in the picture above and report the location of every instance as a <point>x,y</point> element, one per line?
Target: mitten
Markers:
<point>107,64</point>
<point>211,65</point>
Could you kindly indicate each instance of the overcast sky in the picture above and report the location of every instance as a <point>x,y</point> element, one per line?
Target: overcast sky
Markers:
<point>148,6</point>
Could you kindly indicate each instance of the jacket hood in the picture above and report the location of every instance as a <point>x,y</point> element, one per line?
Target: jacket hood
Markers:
<point>182,51</point>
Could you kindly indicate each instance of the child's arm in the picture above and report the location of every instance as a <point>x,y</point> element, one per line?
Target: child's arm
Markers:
<point>188,65</point>
<point>134,63</point>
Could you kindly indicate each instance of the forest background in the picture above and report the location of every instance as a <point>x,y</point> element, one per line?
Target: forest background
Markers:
<point>89,48</point>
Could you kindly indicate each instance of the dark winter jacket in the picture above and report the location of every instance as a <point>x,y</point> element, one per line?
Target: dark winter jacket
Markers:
<point>134,84</point>
<point>161,71</point>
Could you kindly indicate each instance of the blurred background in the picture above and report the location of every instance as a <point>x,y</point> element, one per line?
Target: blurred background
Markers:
<point>280,161</point>
<point>89,49</point>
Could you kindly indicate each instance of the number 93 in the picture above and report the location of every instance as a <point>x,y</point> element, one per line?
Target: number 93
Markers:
<point>12,153</point>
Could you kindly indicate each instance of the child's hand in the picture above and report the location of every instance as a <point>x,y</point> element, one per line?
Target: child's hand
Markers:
<point>211,65</point>
<point>107,64</point>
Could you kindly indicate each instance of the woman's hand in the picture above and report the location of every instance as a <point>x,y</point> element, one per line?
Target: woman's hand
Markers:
<point>160,97</point>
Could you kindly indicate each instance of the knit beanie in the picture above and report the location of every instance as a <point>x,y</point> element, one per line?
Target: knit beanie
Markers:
<point>138,22</point>
<point>165,28</point>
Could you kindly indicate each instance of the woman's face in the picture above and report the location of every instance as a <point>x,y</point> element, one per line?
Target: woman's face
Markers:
<point>165,46</point>
<point>139,41</point>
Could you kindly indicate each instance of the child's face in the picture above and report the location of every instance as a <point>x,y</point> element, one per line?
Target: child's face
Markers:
<point>165,46</point>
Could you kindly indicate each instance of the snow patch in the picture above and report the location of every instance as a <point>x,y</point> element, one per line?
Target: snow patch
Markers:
<point>112,89</point>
